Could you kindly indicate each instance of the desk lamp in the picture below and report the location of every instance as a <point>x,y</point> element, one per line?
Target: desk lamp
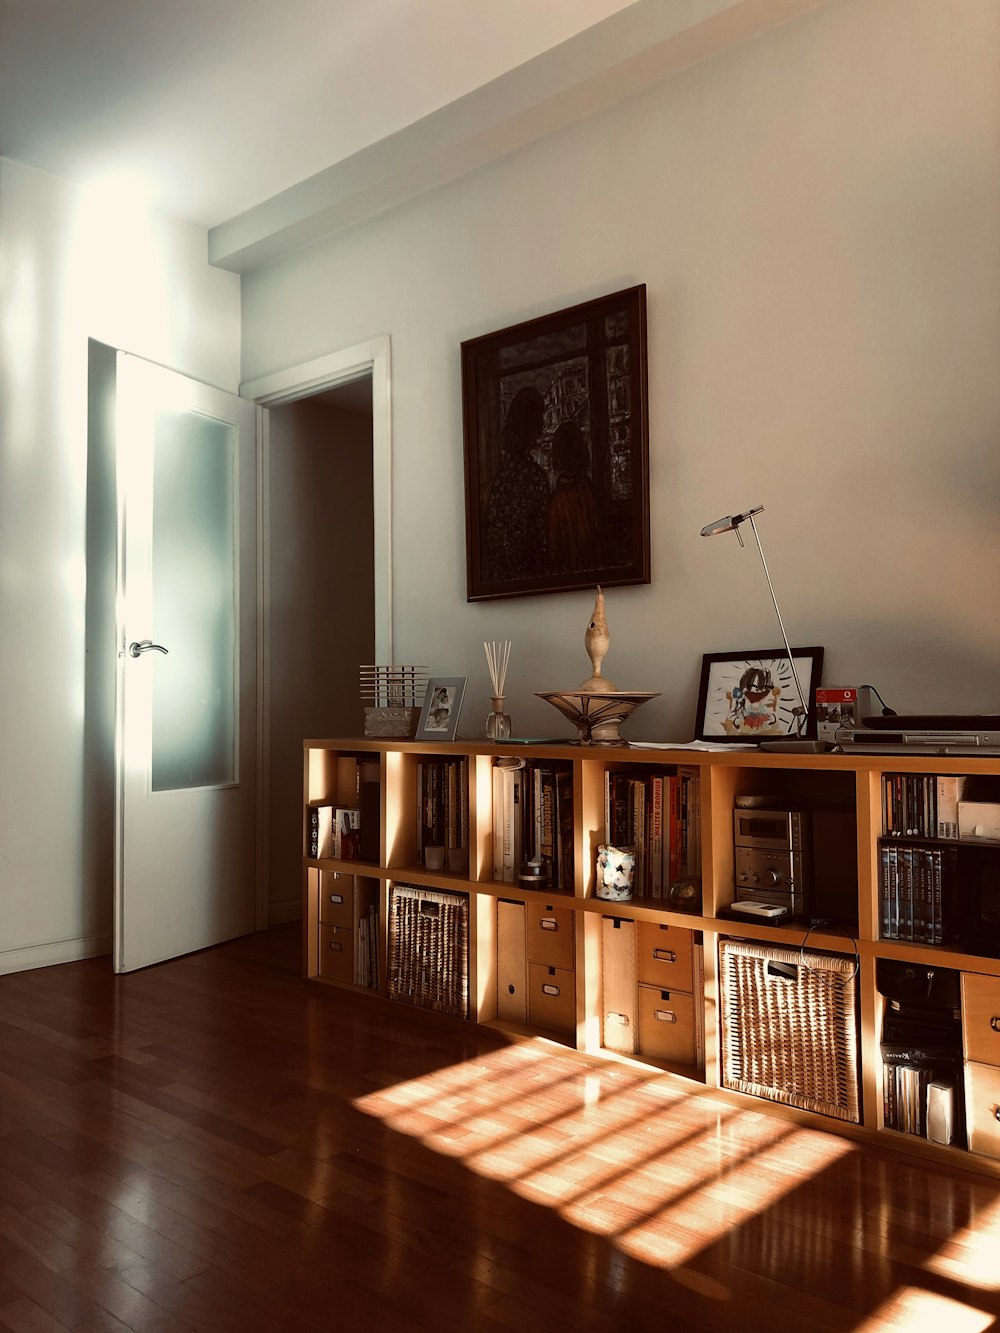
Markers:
<point>731,523</point>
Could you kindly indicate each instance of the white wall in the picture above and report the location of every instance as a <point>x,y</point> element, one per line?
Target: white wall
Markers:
<point>815,216</point>
<point>71,268</point>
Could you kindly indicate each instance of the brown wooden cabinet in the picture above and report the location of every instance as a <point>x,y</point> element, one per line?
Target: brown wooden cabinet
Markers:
<point>636,979</point>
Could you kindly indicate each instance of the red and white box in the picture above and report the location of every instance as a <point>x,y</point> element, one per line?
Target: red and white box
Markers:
<point>839,706</point>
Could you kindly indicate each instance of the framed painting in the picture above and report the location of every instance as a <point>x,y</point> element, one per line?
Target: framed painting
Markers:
<point>751,696</point>
<point>557,451</point>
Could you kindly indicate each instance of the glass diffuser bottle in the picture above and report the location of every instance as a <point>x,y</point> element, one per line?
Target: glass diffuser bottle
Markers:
<point>498,721</point>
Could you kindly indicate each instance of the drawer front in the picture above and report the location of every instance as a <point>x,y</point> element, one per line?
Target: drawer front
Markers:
<point>336,953</point>
<point>336,900</point>
<point>982,1108</point>
<point>551,998</point>
<point>665,957</point>
<point>512,967</point>
<point>666,1025</point>
<point>550,935</point>
<point>981,1018</point>
<point>619,1016</point>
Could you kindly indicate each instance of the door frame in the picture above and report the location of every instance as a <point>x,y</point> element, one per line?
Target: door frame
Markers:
<point>277,389</point>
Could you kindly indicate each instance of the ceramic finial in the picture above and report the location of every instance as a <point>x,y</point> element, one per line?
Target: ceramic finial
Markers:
<point>598,640</point>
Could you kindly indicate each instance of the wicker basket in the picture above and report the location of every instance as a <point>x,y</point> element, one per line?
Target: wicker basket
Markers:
<point>429,949</point>
<point>789,1027</point>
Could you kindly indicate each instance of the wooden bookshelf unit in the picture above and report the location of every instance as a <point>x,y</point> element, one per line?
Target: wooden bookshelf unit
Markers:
<point>636,979</point>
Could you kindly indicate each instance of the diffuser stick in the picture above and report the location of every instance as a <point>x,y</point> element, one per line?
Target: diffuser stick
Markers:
<point>497,659</point>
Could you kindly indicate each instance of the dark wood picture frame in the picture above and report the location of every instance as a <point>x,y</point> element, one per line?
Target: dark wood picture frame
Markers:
<point>737,701</point>
<point>556,437</point>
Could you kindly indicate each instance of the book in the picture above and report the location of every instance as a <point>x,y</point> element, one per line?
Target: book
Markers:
<point>637,838</point>
<point>320,831</point>
<point>884,897</point>
<point>564,831</point>
<point>656,885</point>
<point>345,834</point>
<point>547,837</point>
<point>691,780</point>
<point>948,793</point>
<point>348,780</point>
<point>508,827</point>
<point>370,805</point>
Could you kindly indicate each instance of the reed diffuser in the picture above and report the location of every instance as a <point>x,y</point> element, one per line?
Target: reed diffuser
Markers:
<point>497,658</point>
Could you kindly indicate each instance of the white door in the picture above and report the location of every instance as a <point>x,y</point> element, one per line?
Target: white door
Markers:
<point>186,684</point>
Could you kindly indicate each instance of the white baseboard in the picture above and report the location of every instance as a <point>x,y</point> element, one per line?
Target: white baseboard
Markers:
<point>48,955</point>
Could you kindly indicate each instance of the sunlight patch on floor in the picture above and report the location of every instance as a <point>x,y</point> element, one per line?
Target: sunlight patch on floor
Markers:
<point>914,1310</point>
<point>628,1156</point>
<point>972,1254</point>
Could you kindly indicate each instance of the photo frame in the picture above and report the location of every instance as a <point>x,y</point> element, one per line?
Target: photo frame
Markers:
<point>556,443</point>
<point>751,696</point>
<point>442,708</point>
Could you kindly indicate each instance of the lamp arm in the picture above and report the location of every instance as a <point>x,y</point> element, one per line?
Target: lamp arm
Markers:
<point>803,702</point>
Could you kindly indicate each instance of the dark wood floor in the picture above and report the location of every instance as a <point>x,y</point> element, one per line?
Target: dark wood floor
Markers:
<point>215,1144</point>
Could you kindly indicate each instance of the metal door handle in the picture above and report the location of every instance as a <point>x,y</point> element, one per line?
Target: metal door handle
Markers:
<point>145,646</point>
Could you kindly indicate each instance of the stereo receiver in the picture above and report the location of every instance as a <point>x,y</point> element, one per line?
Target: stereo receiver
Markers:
<point>794,857</point>
<point>771,855</point>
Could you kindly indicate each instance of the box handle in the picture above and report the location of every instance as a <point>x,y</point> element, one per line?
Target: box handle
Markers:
<point>995,1022</point>
<point>336,946</point>
<point>549,989</point>
<point>664,956</point>
<point>336,897</point>
<point>664,1015</point>
<point>621,1019</point>
<point>547,923</point>
<point>783,971</point>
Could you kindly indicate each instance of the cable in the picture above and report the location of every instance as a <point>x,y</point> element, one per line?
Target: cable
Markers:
<point>830,926</point>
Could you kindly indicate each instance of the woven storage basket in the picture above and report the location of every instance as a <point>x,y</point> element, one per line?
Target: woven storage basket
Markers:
<point>429,949</point>
<point>789,1027</point>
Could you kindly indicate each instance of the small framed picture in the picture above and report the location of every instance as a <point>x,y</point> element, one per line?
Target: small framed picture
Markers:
<point>751,696</point>
<point>442,708</point>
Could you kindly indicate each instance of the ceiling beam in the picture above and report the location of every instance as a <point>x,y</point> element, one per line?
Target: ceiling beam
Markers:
<point>624,54</point>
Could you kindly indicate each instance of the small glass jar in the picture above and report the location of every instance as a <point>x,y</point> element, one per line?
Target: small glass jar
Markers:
<point>498,722</point>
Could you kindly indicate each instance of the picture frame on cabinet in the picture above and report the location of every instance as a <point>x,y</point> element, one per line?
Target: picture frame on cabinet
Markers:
<point>555,425</point>
<point>751,696</point>
<point>442,708</point>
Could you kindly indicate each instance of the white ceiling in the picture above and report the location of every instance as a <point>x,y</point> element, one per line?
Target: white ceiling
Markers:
<point>212,106</point>
<point>272,122</point>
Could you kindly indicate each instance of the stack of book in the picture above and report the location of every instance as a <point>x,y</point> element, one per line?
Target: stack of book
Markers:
<point>533,822</point>
<point>915,885</point>
<point>916,876</point>
<point>366,956</point>
<point>921,805</point>
<point>334,831</point>
<point>658,815</point>
<point>347,825</point>
<point>442,803</point>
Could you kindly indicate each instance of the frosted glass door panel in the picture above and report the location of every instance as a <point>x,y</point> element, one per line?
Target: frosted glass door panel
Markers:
<point>194,573</point>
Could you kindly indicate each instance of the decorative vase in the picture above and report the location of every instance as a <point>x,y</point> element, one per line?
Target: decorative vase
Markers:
<point>498,722</point>
<point>615,867</point>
